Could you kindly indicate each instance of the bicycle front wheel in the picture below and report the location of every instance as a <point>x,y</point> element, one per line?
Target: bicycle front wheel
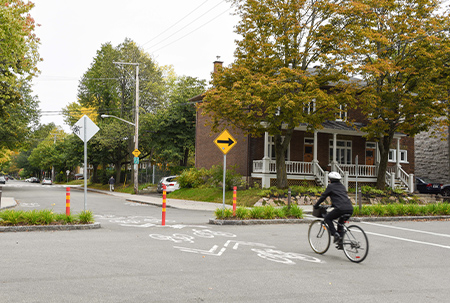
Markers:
<point>355,244</point>
<point>319,236</point>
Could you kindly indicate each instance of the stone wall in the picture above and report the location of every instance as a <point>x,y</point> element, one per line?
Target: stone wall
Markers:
<point>432,156</point>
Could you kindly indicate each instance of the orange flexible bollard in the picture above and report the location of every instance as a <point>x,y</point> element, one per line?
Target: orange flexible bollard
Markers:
<point>234,200</point>
<point>163,221</point>
<point>67,201</point>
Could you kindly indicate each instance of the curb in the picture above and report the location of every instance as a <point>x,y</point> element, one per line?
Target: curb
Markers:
<point>95,225</point>
<point>309,220</point>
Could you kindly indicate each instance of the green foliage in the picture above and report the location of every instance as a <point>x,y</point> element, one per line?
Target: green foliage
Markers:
<point>42,217</point>
<point>194,178</point>
<point>257,212</point>
<point>295,211</point>
<point>398,209</point>
<point>260,212</point>
<point>242,213</point>
<point>86,217</point>
<point>11,217</point>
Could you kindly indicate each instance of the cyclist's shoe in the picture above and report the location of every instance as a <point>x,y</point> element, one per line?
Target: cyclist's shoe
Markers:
<point>337,238</point>
<point>340,246</point>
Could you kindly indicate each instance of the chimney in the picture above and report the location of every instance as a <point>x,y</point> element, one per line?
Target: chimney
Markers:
<point>217,64</point>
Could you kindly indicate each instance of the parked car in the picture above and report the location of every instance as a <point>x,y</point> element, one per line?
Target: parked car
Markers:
<point>170,182</point>
<point>47,181</point>
<point>2,180</point>
<point>79,176</point>
<point>445,190</point>
<point>426,186</point>
<point>33,180</point>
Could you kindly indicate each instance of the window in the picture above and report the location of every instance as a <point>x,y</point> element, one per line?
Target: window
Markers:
<point>271,149</point>
<point>342,114</point>
<point>310,107</point>
<point>343,151</point>
<point>393,156</point>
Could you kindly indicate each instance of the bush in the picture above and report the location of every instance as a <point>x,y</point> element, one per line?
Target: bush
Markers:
<point>194,178</point>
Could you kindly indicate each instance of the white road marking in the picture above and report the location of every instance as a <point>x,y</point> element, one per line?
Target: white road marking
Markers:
<point>408,240</point>
<point>408,229</point>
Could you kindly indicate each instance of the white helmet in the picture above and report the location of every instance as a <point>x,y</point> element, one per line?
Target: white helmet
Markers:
<point>334,175</point>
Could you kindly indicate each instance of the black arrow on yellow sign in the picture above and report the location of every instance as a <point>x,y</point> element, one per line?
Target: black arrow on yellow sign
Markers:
<point>229,141</point>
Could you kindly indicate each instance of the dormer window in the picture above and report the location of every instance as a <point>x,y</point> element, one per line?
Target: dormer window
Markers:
<point>342,114</point>
<point>310,107</point>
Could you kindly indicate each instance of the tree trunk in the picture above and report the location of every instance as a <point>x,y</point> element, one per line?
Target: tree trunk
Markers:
<point>118,167</point>
<point>281,146</point>
<point>385,144</point>
<point>94,173</point>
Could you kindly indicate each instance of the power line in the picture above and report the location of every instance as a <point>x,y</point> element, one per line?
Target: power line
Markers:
<point>163,32</point>
<point>213,19</point>
<point>188,25</point>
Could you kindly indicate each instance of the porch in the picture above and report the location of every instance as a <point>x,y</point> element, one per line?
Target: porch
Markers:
<point>312,172</point>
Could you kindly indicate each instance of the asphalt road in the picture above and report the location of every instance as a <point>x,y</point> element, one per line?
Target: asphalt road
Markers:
<point>132,258</point>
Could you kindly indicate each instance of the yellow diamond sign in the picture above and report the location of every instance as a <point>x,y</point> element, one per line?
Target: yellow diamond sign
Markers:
<point>225,142</point>
<point>136,152</point>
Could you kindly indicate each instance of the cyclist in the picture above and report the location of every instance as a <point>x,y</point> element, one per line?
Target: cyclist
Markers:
<point>340,201</point>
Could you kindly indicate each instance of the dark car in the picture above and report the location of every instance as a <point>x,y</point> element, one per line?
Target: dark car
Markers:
<point>445,190</point>
<point>426,186</point>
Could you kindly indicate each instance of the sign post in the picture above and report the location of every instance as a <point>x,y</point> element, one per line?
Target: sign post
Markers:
<point>85,129</point>
<point>225,142</point>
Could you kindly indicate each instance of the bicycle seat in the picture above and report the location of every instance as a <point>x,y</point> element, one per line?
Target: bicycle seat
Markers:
<point>345,217</point>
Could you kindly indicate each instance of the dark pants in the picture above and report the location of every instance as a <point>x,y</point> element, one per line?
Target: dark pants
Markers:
<point>334,214</point>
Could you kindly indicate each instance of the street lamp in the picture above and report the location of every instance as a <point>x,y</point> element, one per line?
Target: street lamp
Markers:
<point>136,124</point>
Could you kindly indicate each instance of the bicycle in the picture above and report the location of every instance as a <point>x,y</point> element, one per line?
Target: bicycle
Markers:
<point>354,240</point>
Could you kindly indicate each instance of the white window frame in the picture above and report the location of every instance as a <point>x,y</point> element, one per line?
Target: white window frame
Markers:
<point>392,156</point>
<point>342,115</point>
<point>311,107</point>
<point>271,149</point>
<point>347,147</point>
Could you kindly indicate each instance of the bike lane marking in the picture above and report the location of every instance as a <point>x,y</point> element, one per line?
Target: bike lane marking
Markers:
<point>408,240</point>
<point>408,229</point>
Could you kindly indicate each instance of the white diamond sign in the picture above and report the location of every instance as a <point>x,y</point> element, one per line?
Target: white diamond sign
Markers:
<point>85,125</point>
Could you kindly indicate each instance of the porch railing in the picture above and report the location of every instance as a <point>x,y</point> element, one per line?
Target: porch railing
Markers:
<point>292,167</point>
<point>362,170</point>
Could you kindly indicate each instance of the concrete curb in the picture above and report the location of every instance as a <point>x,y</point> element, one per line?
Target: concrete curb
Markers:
<point>95,225</point>
<point>309,220</point>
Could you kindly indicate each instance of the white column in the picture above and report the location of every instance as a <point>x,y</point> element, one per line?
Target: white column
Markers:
<point>397,170</point>
<point>315,161</point>
<point>333,162</point>
<point>266,158</point>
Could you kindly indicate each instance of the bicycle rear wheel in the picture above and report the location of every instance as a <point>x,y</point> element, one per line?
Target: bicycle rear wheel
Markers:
<point>319,236</point>
<point>355,244</point>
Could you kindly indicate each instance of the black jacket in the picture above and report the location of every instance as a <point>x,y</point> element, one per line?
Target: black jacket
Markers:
<point>339,198</point>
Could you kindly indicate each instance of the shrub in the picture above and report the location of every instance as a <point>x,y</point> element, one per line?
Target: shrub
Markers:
<point>257,212</point>
<point>86,217</point>
<point>242,213</point>
<point>11,216</point>
<point>295,211</point>
<point>269,212</point>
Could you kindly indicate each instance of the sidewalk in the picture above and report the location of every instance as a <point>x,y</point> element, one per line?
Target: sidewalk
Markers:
<point>7,202</point>
<point>174,203</point>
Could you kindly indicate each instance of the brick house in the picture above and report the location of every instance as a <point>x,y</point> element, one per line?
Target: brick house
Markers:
<point>310,155</point>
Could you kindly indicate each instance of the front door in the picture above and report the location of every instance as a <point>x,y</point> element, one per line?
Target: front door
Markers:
<point>308,154</point>
<point>370,156</point>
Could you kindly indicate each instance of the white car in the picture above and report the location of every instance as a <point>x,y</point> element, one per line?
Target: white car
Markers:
<point>170,183</point>
<point>47,181</point>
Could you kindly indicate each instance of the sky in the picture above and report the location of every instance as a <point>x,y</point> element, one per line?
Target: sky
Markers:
<point>187,34</point>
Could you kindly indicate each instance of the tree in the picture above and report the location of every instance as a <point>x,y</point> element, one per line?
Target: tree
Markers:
<point>273,79</point>
<point>107,88</point>
<point>169,134</point>
<point>18,51</point>
<point>401,51</point>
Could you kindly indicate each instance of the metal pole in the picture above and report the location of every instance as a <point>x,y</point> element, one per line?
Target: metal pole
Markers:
<point>136,133</point>
<point>224,174</point>
<point>85,165</point>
